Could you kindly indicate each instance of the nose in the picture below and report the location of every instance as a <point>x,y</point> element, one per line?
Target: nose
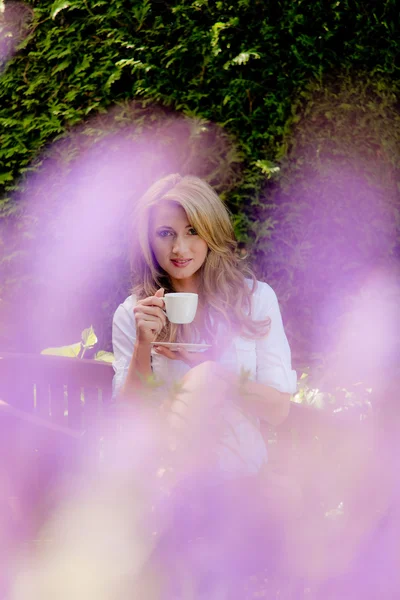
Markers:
<point>180,245</point>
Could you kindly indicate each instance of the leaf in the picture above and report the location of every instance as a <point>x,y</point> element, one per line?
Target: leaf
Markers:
<point>244,57</point>
<point>61,66</point>
<point>241,59</point>
<point>58,6</point>
<point>267,167</point>
<point>71,351</point>
<point>89,338</point>
<point>104,356</point>
<point>5,177</point>
<point>115,76</point>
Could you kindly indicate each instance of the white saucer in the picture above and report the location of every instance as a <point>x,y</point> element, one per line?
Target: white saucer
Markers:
<point>174,346</point>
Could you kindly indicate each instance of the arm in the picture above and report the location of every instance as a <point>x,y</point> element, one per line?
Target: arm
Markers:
<point>123,341</point>
<point>265,402</point>
<point>135,326</point>
<point>268,397</point>
<point>139,368</point>
<point>130,359</point>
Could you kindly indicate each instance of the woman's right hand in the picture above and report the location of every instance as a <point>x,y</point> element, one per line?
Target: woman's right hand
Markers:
<point>150,318</point>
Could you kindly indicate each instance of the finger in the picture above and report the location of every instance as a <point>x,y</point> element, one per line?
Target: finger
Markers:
<point>159,293</point>
<point>163,351</point>
<point>185,356</point>
<point>151,314</point>
<point>151,301</point>
<point>153,324</point>
<point>182,355</point>
<point>149,324</point>
<point>155,311</point>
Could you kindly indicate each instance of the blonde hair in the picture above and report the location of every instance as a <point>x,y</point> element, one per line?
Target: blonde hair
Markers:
<point>224,291</point>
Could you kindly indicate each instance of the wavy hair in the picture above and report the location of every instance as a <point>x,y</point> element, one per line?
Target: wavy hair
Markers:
<point>224,290</point>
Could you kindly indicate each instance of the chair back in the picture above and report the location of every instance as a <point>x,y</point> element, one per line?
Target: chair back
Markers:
<point>69,392</point>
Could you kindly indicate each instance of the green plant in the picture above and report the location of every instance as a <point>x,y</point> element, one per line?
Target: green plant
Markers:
<point>88,341</point>
<point>289,84</point>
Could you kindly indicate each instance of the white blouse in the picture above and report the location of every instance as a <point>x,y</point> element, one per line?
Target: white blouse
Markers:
<point>267,360</point>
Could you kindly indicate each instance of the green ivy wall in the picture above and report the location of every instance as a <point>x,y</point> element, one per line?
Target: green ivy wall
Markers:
<point>285,105</point>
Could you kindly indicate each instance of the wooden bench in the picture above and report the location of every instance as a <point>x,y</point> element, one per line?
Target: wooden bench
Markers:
<point>69,392</point>
<point>51,411</point>
<point>51,401</point>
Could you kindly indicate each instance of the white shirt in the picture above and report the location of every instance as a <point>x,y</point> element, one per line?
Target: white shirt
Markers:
<point>267,360</point>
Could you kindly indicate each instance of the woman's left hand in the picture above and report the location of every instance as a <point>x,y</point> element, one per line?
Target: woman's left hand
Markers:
<point>190,358</point>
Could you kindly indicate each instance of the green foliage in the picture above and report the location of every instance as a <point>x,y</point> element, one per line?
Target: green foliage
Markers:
<point>77,211</point>
<point>304,95</point>
<point>238,64</point>
<point>336,207</point>
<point>330,397</point>
<point>78,350</point>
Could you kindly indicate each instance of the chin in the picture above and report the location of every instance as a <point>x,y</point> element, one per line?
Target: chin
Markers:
<point>182,275</point>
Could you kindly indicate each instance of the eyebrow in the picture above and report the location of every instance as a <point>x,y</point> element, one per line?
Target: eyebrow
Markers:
<point>169,227</point>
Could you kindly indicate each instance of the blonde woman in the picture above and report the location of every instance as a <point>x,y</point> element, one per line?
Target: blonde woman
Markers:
<point>184,242</point>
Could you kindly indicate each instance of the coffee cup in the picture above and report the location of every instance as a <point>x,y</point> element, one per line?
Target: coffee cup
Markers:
<point>181,307</point>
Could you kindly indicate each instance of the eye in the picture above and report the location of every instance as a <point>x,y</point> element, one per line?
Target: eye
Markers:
<point>192,231</point>
<point>164,233</point>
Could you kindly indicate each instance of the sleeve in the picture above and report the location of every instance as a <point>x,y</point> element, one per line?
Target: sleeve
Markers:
<point>123,341</point>
<point>274,363</point>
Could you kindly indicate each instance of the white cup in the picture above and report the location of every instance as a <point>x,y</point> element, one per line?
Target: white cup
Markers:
<point>181,307</point>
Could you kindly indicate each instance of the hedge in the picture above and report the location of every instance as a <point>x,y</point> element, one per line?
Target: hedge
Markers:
<point>299,97</point>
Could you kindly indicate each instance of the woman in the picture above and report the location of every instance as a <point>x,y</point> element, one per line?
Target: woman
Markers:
<point>184,242</point>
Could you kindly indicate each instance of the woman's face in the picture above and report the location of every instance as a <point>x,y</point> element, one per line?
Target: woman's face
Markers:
<point>177,247</point>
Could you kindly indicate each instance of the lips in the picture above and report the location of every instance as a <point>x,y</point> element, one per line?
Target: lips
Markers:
<point>181,263</point>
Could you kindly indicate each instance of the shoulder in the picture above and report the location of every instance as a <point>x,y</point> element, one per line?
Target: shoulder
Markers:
<point>124,312</point>
<point>264,291</point>
<point>263,296</point>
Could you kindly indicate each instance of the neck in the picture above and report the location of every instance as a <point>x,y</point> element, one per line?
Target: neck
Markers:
<point>186,285</point>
